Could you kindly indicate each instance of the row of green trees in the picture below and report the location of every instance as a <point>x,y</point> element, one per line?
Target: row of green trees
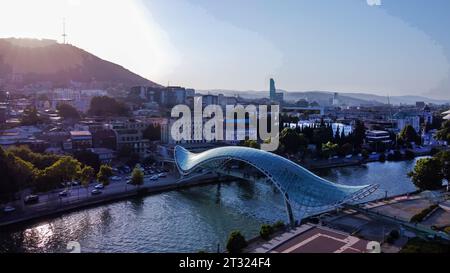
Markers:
<point>295,140</point>
<point>21,168</point>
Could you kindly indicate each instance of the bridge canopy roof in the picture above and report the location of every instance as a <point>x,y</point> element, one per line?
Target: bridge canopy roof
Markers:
<point>300,186</point>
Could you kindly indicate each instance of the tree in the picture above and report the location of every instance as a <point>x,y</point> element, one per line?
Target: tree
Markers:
<point>266,231</point>
<point>40,161</point>
<point>104,174</point>
<point>337,135</point>
<point>329,149</point>
<point>67,111</point>
<point>86,176</point>
<point>365,154</point>
<point>236,242</point>
<point>137,176</point>
<point>62,171</point>
<point>427,174</point>
<point>444,132</point>
<point>251,143</point>
<point>107,106</point>
<point>30,117</point>
<point>444,158</point>
<point>322,134</point>
<point>409,134</point>
<point>292,141</point>
<point>88,158</point>
<point>15,172</point>
<point>346,149</point>
<point>359,133</point>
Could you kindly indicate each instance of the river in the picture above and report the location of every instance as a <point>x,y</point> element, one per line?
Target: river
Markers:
<point>189,220</point>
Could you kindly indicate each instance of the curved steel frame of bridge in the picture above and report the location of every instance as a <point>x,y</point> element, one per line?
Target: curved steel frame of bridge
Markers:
<point>300,188</point>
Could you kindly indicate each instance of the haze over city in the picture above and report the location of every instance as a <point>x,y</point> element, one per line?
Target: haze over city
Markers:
<point>382,47</point>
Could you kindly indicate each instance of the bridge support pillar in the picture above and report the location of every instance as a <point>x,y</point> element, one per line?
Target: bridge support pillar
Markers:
<point>289,211</point>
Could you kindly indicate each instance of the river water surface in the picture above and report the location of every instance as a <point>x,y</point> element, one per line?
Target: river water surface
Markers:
<point>188,220</point>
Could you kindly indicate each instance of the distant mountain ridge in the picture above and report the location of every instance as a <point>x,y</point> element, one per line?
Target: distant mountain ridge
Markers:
<point>323,97</point>
<point>30,61</point>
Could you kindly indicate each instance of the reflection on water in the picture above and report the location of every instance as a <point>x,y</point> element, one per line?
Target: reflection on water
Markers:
<point>392,177</point>
<point>187,220</point>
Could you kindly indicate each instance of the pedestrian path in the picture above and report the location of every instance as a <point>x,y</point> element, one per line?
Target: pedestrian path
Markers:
<point>273,243</point>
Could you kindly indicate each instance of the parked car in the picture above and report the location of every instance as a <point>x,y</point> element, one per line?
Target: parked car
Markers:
<point>348,156</point>
<point>9,209</point>
<point>129,181</point>
<point>64,193</point>
<point>99,186</point>
<point>96,192</point>
<point>162,175</point>
<point>154,177</point>
<point>31,199</point>
<point>75,183</point>
<point>115,178</point>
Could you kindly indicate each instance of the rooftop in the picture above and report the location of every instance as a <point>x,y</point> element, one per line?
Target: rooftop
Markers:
<point>80,133</point>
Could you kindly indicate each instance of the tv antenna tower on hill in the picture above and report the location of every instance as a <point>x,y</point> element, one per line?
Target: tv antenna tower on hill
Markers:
<point>64,35</point>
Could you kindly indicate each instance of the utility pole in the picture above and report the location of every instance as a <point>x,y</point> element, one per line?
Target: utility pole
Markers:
<point>64,35</point>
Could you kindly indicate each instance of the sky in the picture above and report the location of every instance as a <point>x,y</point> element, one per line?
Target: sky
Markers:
<point>395,47</point>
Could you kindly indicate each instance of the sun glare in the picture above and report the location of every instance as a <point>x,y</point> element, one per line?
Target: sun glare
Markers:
<point>119,31</point>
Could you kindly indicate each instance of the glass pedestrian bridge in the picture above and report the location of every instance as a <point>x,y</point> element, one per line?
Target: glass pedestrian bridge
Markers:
<point>301,189</point>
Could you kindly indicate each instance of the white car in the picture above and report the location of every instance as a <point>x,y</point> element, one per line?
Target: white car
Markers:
<point>64,193</point>
<point>154,177</point>
<point>99,186</point>
<point>348,156</point>
<point>162,175</point>
<point>115,178</point>
<point>8,209</point>
<point>96,192</point>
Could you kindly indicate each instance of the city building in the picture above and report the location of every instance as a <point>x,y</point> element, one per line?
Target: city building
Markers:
<point>407,118</point>
<point>129,135</point>
<point>105,156</point>
<point>81,140</point>
<point>79,99</point>
<point>23,135</point>
<point>378,136</point>
<point>427,115</point>
<point>335,99</point>
<point>378,140</point>
<point>273,94</point>
<point>56,138</point>
<point>3,114</point>
<point>104,138</point>
<point>165,96</point>
<point>420,104</point>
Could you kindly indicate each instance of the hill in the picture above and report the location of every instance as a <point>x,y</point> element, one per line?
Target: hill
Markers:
<point>25,62</point>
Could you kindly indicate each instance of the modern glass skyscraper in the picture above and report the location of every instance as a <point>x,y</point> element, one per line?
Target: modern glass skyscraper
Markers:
<point>273,90</point>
